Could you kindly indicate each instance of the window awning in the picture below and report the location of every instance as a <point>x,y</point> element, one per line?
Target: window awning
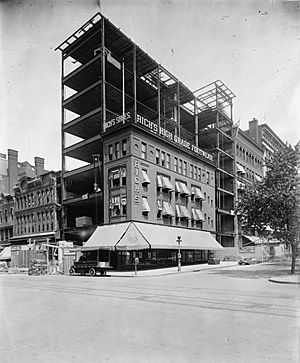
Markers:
<point>258,178</point>
<point>240,169</point>
<point>106,237</point>
<point>185,189</point>
<point>167,209</point>
<point>138,235</point>
<point>159,181</point>
<point>178,188</point>
<point>184,212</point>
<point>182,188</point>
<point>146,206</point>
<point>197,215</point>
<point>240,185</point>
<point>252,239</point>
<point>166,183</point>
<point>5,254</point>
<point>145,178</point>
<point>197,193</point>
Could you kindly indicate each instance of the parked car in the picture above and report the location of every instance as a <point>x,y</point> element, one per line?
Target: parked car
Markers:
<point>248,261</point>
<point>90,263</point>
<point>213,261</point>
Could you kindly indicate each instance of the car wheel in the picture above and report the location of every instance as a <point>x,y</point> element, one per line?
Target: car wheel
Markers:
<point>92,272</point>
<point>71,272</point>
<point>103,272</point>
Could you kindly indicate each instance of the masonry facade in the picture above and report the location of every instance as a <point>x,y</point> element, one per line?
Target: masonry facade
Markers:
<point>36,218</point>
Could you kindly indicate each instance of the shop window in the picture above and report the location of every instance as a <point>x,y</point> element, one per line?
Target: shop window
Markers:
<point>144,150</point>
<point>124,147</point>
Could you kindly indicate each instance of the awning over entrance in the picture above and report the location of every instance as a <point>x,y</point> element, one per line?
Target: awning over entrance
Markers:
<point>165,237</point>
<point>251,239</point>
<point>138,235</point>
<point>5,254</point>
<point>106,237</point>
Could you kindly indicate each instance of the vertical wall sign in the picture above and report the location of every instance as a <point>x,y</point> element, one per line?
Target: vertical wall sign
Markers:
<point>136,181</point>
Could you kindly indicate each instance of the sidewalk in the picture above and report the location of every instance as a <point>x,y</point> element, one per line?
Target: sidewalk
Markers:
<point>171,270</point>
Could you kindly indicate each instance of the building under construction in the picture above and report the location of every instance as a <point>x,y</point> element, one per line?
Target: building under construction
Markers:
<point>138,145</point>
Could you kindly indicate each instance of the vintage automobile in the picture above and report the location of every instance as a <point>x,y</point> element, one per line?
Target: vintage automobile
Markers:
<point>37,267</point>
<point>248,261</point>
<point>91,263</point>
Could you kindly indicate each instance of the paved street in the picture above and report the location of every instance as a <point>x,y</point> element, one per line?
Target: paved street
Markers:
<point>223,315</point>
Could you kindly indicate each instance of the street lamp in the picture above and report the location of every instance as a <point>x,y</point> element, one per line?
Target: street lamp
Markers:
<point>179,254</point>
<point>96,160</point>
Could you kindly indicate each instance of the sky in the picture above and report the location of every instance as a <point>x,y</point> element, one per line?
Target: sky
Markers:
<point>252,46</point>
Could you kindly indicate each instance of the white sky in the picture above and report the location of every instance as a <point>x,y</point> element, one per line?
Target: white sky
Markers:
<point>253,47</point>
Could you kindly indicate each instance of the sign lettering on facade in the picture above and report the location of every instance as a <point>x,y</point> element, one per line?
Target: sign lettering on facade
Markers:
<point>117,120</point>
<point>136,181</point>
<point>160,131</point>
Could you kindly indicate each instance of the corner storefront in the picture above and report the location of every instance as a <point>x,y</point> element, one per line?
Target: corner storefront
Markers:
<point>155,246</point>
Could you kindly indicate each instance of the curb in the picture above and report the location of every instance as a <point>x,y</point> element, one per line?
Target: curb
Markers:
<point>166,273</point>
<point>283,281</point>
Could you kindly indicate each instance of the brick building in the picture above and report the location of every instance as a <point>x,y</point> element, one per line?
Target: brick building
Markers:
<point>36,218</point>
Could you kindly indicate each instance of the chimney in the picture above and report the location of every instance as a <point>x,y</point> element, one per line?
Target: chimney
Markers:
<point>253,129</point>
<point>12,171</point>
<point>39,165</point>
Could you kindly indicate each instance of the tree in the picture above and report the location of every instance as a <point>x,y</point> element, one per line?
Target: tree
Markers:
<point>274,201</point>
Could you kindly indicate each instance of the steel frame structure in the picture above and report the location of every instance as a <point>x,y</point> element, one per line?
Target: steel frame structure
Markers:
<point>110,76</point>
